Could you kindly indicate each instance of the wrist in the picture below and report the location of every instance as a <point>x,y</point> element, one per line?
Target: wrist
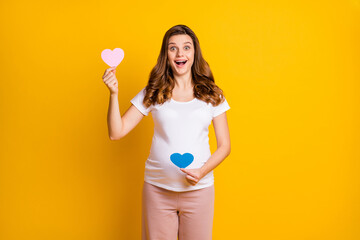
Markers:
<point>203,171</point>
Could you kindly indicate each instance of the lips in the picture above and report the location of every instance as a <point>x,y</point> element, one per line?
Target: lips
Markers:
<point>180,63</point>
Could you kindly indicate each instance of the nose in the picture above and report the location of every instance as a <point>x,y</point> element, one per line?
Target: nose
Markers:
<point>180,53</point>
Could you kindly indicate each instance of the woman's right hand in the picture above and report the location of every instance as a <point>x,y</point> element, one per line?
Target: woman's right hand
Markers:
<point>110,80</point>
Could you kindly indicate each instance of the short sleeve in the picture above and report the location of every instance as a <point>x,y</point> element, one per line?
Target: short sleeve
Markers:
<point>222,107</point>
<point>137,101</point>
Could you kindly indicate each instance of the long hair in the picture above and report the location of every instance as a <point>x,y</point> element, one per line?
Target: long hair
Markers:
<point>161,80</point>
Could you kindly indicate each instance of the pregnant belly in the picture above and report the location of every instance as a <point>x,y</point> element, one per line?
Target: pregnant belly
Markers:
<point>163,170</point>
<point>165,165</point>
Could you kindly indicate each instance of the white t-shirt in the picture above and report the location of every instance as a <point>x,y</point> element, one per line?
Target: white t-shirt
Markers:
<point>180,140</point>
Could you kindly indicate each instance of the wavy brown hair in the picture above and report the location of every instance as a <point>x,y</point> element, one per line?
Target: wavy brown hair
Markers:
<point>161,80</point>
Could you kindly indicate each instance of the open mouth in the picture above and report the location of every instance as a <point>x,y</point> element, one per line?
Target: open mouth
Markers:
<point>181,63</point>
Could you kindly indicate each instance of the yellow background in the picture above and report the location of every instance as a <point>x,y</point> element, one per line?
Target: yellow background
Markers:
<point>289,70</point>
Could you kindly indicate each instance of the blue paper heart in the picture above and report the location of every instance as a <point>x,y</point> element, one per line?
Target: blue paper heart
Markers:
<point>182,161</point>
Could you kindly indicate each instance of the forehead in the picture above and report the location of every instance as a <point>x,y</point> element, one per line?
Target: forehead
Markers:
<point>180,39</point>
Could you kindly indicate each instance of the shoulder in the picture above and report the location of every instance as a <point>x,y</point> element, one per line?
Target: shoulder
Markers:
<point>221,107</point>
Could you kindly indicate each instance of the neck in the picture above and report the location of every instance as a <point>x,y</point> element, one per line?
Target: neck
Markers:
<point>184,81</point>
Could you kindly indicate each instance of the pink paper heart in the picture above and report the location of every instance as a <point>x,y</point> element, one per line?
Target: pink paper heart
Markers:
<point>112,58</point>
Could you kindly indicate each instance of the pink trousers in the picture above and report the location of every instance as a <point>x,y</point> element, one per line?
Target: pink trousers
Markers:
<point>169,215</point>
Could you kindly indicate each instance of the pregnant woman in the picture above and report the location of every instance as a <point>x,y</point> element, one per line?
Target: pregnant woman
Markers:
<point>178,190</point>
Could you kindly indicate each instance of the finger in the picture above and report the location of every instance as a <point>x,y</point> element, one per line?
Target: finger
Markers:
<point>192,182</point>
<point>190,178</point>
<point>107,81</point>
<point>191,174</point>
<point>110,81</point>
<point>109,76</point>
<point>105,75</point>
<point>109,70</point>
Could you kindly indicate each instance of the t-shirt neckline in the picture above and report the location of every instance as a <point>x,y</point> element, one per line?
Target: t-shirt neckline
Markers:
<point>183,102</point>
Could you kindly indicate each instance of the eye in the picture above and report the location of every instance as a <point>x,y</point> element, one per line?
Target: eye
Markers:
<point>187,47</point>
<point>171,48</point>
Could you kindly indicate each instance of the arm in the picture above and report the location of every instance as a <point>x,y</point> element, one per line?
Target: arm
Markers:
<point>118,126</point>
<point>223,144</point>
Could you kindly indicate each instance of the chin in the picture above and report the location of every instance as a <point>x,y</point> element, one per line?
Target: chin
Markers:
<point>182,72</point>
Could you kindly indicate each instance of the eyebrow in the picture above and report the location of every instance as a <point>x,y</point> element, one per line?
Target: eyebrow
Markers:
<point>174,43</point>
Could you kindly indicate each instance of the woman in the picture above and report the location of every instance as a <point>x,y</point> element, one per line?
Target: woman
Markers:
<point>178,190</point>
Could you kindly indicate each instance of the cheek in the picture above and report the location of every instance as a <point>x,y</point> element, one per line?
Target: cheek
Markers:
<point>170,55</point>
<point>191,56</point>
<point>170,59</point>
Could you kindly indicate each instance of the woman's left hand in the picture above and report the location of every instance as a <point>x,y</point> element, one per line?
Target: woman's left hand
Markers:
<point>193,176</point>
